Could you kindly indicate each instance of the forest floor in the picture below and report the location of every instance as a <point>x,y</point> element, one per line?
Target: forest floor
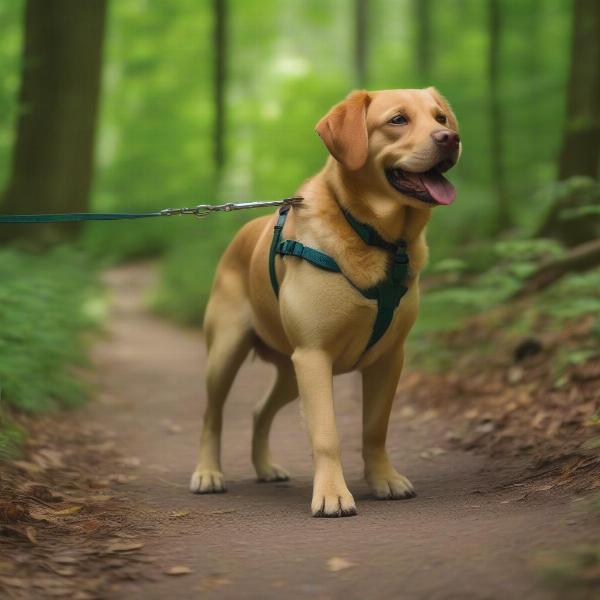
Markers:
<point>99,505</point>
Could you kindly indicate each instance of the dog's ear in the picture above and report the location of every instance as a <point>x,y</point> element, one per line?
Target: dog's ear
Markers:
<point>344,130</point>
<point>445,106</point>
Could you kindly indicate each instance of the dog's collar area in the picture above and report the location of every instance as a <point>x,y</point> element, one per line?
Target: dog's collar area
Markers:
<point>387,293</point>
<point>370,236</point>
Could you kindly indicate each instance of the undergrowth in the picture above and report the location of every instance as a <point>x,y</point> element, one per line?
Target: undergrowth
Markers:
<point>47,302</point>
<point>459,295</point>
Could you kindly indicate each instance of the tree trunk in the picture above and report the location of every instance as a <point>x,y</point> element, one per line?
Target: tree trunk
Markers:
<point>580,151</point>
<point>58,103</point>
<point>220,80</point>
<point>503,218</point>
<point>361,41</point>
<point>423,42</point>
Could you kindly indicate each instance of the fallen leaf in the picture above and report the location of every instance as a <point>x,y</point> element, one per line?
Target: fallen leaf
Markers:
<point>10,512</point>
<point>432,453</point>
<point>47,458</point>
<point>100,498</point>
<point>515,375</point>
<point>125,546</point>
<point>68,511</point>
<point>336,564</point>
<point>39,491</point>
<point>487,427</point>
<point>178,570</point>
<point>28,467</point>
<point>471,413</point>
<point>65,571</point>
<point>91,525</point>
<point>41,513</point>
<point>177,514</point>
<point>31,534</point>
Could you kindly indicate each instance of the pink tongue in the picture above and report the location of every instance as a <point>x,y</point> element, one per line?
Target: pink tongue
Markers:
<point>439,188</point>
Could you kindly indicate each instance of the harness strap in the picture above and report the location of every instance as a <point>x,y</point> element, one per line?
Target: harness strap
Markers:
<point>314,257</point>
<point>369,235</point>
<point>283,211</point>
<point>387,293</point>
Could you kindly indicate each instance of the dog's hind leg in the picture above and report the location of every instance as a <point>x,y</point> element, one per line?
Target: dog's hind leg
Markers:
<point>284,390</point>
<point>229,340</point>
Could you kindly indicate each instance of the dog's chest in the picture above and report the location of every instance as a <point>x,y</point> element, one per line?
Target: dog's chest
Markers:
<point>325,310</point>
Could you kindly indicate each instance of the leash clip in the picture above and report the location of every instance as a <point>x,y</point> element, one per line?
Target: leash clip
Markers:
<point>203,210</point>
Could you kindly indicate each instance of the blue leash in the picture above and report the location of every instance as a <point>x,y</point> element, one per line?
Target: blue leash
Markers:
<point>199,211</point>
<point>75,217</point>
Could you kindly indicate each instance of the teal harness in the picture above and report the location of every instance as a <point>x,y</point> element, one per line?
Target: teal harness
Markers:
<point>387,293</point>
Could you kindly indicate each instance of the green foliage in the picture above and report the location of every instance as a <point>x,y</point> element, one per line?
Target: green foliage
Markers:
<point>46,303</point>
<point>573,297</point>
<point>577,196</point>
<point>445,306</point>
<point>460,296</point>
<point>288,63</point>
<point>154,146</point>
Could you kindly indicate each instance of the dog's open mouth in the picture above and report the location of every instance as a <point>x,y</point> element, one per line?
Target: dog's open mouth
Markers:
<point>431,187</point>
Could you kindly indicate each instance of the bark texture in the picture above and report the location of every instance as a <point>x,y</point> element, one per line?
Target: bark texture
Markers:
<point>53,156</point>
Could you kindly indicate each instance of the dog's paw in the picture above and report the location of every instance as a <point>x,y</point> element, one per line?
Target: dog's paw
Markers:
<point>207,482</point>
<point>271,472</point>
<point>391,486</point>
<point>339,504</point>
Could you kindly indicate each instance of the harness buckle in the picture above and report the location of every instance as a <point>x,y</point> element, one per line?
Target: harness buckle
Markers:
<point>292,248</point>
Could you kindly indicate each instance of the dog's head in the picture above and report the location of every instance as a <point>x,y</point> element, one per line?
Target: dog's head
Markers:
<point>401,141</point>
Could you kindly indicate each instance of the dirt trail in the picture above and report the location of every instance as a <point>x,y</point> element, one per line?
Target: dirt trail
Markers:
<point>470,533</point>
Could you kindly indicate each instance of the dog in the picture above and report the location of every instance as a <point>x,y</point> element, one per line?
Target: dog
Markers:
<point>305,306</point>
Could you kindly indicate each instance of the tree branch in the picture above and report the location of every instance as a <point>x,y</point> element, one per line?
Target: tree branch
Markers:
<point>581,258</point>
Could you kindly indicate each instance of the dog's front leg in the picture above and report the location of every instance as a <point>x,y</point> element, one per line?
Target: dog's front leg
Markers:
<point>380,381</point>
<point>331,497</point>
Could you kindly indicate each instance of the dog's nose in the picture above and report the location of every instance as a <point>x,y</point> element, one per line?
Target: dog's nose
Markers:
<point>446,139</point>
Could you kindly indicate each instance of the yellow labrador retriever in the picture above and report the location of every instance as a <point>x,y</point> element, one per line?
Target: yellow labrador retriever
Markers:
<point>332,285</point>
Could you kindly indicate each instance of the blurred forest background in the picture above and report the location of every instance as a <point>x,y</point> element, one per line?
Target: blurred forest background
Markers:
<point>137,105</point>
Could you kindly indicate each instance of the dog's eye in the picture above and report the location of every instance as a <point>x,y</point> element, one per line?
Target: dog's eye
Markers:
<point>398,120</point>
<point>442,119</point>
